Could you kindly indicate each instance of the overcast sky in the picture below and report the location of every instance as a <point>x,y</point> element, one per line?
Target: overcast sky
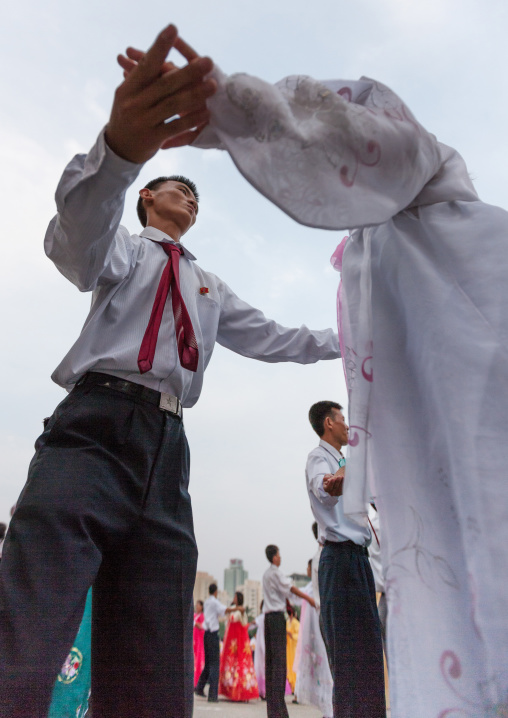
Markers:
<point>249,433</point>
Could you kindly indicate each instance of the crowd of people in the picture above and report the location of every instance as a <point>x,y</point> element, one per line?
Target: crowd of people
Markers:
<point>242,662</point>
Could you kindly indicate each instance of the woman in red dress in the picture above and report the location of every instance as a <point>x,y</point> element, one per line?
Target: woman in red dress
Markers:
<point>237,677</point>
<point>199,645</point>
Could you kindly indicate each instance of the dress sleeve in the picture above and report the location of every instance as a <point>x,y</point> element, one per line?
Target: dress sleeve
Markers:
<point>85,240</point>
<point>246,331</point>
<point>331,154</point>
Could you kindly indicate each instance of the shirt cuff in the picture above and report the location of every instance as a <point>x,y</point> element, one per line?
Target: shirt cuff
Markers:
<point>114,161</point>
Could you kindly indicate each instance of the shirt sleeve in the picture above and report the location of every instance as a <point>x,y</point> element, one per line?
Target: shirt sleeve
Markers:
<point>85,240</point>
<point>285,583</point>
<point>220,607</point>
<point>331,154</point>
<point>317,467</point>
<point>246,331</point>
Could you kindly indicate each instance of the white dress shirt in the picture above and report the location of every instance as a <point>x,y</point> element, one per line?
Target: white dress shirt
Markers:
<point>90,247</point>
<point>276,588</point>
<point>328,510</point>
<point>213,609</point>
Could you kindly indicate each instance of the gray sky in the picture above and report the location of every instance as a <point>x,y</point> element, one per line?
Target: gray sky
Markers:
<point>249,433</point>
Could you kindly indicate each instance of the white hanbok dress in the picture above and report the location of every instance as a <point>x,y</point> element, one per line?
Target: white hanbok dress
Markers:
<point>259,655</point>
<point>424,330</point>
<point>314,682</point>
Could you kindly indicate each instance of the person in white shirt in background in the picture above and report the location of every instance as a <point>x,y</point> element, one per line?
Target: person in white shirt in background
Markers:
<point>106,501</point>
<point>346,586</point>
<point>213,610</point>
<point>277,587</point>
<point>314,682</point>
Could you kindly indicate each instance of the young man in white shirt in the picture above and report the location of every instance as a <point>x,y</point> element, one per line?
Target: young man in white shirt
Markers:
<point>213,610</point>
<point>346,586</point>
<point>277,587</point>
<point>106,501</point>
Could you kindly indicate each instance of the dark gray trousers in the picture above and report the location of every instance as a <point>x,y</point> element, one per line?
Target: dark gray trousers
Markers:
<point>352,631</point>
<point>275,664</point>
<point>211,669</point>
<point>105,503</point>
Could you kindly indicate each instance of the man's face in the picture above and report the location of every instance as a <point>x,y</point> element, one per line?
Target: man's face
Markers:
<point>276,559</point>
<point>174,201</point>
<point>338,427</point>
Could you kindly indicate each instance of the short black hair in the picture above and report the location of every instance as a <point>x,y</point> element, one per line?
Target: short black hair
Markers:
<point>315,529</point>
<point>212,588</point>
<point>154,184</point>
<point>318,413</point>
<point>239,598</point>
<point>271,550</point>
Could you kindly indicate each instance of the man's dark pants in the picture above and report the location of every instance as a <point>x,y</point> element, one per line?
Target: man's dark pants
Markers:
<point>275,664</point>
<point>210,672</point>
<point>352,631</point>
<point>106,503</point>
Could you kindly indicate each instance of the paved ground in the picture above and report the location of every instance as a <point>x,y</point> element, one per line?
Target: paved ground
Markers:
<point>252,709</point>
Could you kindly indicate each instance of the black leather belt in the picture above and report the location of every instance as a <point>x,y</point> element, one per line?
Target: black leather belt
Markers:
<point>349,545</point>
<point>165,402</point>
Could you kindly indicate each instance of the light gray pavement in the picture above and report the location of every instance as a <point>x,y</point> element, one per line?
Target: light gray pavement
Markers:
<point>252,709</point>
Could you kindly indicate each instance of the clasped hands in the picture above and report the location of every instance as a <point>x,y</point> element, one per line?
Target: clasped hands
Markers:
<point>333,484</point>
<point>159,105</point>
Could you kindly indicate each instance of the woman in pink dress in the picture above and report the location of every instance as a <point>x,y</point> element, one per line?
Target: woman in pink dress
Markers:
<point>199,646</point>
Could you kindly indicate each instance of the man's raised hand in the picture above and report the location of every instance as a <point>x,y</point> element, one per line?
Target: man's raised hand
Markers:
<point>153,92</point>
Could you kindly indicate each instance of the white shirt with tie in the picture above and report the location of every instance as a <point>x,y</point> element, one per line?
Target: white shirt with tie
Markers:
<point>89,246</point>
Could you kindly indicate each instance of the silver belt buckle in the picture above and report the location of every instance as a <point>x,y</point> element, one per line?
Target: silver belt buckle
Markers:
<point>168,402</point>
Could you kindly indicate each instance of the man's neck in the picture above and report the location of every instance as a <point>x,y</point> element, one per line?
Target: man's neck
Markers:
<point>169,228</point>
<point>333,442</point>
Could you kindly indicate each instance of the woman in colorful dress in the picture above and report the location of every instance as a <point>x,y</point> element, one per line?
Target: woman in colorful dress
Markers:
<point>292,630</point>
<point>237,677</point>
<point>199,641</point>
<point>71,692</point>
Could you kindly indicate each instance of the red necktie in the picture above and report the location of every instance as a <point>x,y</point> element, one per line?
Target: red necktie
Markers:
<point>185,337</point>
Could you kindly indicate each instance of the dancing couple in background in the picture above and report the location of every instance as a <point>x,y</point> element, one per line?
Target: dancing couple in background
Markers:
<point>237,676</point>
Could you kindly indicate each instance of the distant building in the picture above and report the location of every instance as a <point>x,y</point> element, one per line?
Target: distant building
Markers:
<point>299,579</point>
<point>234,576</point>
<point>203,581</point>
<point>252,595</point>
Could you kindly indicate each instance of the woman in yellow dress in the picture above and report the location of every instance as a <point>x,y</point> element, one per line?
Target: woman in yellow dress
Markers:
<point>292,630</point>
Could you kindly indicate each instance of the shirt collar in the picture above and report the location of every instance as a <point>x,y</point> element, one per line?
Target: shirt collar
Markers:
<point>158,235</point>
<point>330,448</point>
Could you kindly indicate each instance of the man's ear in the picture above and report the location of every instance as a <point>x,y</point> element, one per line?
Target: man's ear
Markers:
<point>145,193</point>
